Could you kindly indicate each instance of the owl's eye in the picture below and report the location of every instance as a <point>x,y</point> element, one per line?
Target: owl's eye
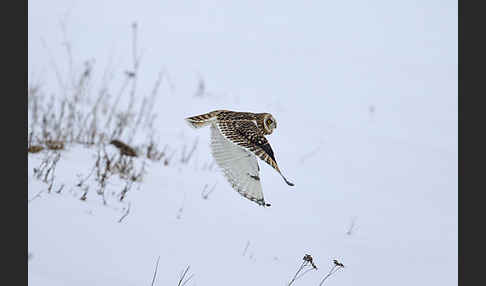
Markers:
<point>269,121</point>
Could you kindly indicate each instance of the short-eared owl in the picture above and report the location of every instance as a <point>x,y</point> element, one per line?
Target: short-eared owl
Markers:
<point>236,137</point>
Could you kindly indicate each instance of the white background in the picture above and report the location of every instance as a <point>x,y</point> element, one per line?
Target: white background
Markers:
<point>318,67</point>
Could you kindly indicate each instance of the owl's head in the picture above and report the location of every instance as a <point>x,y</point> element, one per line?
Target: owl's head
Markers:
<point>269,123</point>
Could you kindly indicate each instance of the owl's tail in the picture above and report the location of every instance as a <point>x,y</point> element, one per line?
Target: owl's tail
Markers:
<point>202,120</point>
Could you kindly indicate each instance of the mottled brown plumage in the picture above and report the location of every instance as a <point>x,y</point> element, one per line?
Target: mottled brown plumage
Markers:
<point>246,130</point>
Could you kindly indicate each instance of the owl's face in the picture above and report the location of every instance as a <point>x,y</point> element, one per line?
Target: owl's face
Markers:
<point>269,123</point>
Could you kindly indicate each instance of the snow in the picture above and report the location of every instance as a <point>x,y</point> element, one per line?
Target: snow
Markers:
<point>393,169</point>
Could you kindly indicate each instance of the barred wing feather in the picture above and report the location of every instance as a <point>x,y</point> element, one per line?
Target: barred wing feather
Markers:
<point>240,166</point>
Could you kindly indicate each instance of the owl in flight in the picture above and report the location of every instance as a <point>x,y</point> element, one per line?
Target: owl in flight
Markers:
<point>236,139</point>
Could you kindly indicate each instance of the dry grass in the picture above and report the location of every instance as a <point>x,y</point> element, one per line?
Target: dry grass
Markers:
<point>124,148</point>
<point>155,271</point>
<point>309,265</point>
<point>91,113</point>
<point>89,110</point>
<point>336,266</point>
<point>305,267</point>
<point>35,149</point>
<point>55,145</point>
<point>185,277</point>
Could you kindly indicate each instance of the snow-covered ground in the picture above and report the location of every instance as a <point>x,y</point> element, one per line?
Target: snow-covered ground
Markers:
<point>366,102</point>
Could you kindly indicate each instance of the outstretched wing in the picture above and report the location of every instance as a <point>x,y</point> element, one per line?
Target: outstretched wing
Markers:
<point>246,134</point>
<point>240,167</point>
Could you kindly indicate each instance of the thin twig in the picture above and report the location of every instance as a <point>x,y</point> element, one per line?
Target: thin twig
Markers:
<point>308,260</point>
<point>303,273</point>
<point>351,227</point>
<point>36,195</point>
<point>205,194</point>
<point>155,272</point>
<point>125,214</point>
<point>134,73</point>
<point>310,154</point>
<point>298,271</point>
<point>327,275</point>
<point>336,266</point>
<point>246,247</point>
<point>183,275</point>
